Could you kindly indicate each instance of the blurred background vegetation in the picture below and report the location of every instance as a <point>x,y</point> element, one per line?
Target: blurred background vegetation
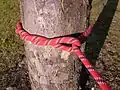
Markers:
<point>11,49</point>
<point>12,70</point>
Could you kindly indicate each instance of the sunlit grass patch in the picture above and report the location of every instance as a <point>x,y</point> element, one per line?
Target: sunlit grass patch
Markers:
<point>11,49</point>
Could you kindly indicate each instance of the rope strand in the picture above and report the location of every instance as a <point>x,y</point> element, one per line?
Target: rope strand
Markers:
<point>74,46</point>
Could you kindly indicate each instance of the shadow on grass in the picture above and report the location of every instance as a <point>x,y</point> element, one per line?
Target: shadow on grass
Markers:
<point>96,40</point>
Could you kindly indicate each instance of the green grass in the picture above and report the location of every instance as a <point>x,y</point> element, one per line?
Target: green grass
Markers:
<point>11,49</point>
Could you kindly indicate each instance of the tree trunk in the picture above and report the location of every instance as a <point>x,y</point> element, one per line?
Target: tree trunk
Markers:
<point>50,68</point>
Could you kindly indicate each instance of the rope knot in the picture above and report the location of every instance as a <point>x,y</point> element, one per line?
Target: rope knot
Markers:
<point>64,43</point>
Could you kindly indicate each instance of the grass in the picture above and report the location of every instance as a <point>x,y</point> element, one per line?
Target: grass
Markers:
<point>11,49</point>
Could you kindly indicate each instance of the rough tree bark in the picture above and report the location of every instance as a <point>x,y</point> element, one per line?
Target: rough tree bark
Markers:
<point>50,68</point>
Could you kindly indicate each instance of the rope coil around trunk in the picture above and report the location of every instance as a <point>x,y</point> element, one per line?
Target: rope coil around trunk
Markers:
<point>59,42</point>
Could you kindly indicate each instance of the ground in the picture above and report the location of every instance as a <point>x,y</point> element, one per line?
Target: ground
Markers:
<point>11,48</point>
<point>102,47</point>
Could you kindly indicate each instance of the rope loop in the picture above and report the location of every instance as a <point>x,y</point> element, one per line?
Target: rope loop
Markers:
<point>70,44</point>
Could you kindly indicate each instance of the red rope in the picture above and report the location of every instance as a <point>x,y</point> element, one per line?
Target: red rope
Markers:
<point>59,43</point>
